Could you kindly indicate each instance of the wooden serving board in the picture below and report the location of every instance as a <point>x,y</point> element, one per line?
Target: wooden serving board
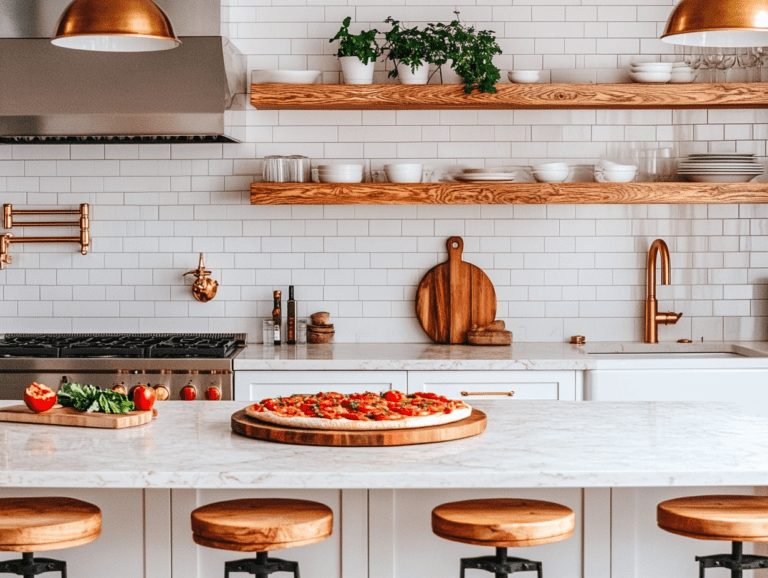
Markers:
<point>453,297</point>
<point>249,427</point>
<point>72,417</point>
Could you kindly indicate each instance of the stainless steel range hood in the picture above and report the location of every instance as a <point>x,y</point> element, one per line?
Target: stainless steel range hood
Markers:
<point>50,94</point>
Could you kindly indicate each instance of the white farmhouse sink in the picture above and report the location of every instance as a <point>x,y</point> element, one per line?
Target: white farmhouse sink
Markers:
<point>667,350</point>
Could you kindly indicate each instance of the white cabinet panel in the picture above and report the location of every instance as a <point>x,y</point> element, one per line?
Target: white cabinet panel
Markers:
<point>119,551</point>
<point>418,553</point>
<point>257,385</point>
<point>496,385</point>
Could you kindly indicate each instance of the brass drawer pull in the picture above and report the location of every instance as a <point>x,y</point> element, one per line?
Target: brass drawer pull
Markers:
<point>505,393</point>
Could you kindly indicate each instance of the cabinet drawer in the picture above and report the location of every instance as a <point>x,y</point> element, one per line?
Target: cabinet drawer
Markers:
<point>495,385</point>
<point>257,385</point>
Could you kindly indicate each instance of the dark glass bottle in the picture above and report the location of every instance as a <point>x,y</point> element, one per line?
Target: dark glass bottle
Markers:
<point>290,329</point>
<point>277,316</point>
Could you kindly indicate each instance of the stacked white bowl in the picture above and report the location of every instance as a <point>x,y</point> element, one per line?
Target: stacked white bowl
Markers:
<point>550,172</point>
<point>681,72</point>
<point>403,172</point>
<point>660,72</point>
<point>610,172</point>
<point>340,173</point>
<point>523,76</point>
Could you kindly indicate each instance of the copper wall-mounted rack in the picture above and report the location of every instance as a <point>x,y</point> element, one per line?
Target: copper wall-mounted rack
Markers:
<point>84,240</point>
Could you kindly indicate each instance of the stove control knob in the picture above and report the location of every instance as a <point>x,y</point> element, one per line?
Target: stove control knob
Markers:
<point>188,392</point>
<point>162,393</point>
<point>213,393</point>
<point>120,388</point>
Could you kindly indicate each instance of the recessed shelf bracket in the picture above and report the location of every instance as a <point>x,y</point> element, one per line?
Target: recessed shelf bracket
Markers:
<point>84,240</point>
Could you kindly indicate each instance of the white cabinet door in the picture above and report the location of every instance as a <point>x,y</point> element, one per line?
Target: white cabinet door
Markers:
<point>257,385</point>
<point>497,385</point>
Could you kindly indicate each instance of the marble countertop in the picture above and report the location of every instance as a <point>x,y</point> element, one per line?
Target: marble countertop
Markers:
<point>533,444</point>
<point>520,356</point>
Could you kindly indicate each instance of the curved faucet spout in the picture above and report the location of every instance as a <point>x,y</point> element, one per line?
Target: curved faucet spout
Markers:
<point>652,315</point>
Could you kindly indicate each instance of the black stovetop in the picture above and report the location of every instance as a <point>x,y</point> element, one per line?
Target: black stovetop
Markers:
<point>132,345</point>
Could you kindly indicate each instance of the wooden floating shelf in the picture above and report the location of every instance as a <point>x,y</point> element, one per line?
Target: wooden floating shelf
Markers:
<point>509,96</point>
<point>506,193</point>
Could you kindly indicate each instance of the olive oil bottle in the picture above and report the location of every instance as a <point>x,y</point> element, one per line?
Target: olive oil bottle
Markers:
<point>277,316</point>
<point>290,329</point>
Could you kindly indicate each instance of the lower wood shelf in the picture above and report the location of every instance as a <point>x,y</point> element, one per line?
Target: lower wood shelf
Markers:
<point>505,193</point>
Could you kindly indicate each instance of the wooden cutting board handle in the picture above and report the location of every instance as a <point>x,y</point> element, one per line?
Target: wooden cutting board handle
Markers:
<point>459,289</point>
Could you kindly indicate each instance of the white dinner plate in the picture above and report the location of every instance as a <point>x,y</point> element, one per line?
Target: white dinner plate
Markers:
<point>725,178</point>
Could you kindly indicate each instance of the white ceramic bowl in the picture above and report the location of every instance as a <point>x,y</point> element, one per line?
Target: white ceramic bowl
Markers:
<point>403,172</point>
<point>340,173</point>
<point>551,175</point>
<point>340,179</point>
<point>656,77</point>
<point>550,167</point>
<point>683,77</point>
<point>523,76</point>
<point>652,67</point>
<point>615,176</point>
<point>287,76</point>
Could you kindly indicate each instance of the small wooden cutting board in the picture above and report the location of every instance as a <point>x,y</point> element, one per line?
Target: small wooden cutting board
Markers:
<point>454,296</point>
<point>72,417</point>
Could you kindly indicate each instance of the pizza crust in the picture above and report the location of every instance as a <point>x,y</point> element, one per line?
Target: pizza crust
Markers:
<point>356,425</point>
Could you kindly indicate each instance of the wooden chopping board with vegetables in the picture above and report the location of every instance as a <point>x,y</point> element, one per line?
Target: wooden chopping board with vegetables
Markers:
<point>453,297</point>
<point>72,417</point>
<point>82,406</point>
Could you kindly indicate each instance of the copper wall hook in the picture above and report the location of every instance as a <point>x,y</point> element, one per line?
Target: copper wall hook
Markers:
<point>204,288</point>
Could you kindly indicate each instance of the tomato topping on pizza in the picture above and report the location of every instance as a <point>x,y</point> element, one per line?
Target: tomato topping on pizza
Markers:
<point>368,406</point>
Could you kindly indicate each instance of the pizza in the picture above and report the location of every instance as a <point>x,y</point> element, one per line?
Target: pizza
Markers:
<point>360,411</point>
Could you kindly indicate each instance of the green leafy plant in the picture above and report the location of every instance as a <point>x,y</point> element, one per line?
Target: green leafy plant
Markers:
<point>90,398</point>
<point>471,52</point>
<point>362,45</point>
<point>409,46</point>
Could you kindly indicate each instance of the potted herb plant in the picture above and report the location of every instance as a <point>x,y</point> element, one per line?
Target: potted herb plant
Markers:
<point>470,52</point>
<point>357,53</point>
<point>410,50</point>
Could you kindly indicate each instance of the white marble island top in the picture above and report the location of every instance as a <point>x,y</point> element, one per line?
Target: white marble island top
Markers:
<point>533,444</point>
<point>518,356</point>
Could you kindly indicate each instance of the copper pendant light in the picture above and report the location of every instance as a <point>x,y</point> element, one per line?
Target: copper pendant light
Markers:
<point>718,23</point>
<point>115,26</point>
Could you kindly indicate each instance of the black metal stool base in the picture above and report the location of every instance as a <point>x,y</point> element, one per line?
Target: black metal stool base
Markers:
<point>29,566</point>
<point>261,566</point>
<point>500,565</point>
<point>736,562</point>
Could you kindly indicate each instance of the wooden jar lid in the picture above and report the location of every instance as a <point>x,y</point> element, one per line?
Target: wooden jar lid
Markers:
<point>42,524</point>
<point>261,525</point>
<point>732,518</point>
<point>503,522</point>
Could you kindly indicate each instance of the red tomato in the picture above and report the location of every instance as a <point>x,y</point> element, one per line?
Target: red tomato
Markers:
<point>394,395</point>
<point>39,397</point>
<point>144,397</point>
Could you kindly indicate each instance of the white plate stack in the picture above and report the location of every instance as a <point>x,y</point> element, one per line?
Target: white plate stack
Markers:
<point>720,168</point>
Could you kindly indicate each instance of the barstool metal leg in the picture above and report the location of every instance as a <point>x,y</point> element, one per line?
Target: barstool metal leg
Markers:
<point>501,565</point>
<point>736,561</point>
<point>29,566</point>
<point>262,566</point>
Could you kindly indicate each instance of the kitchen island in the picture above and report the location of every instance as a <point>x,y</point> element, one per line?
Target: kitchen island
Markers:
<point>593,457</point>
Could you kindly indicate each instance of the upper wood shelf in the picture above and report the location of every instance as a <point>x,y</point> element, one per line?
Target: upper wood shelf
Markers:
<point>509,96</point>
<point>506,193</point>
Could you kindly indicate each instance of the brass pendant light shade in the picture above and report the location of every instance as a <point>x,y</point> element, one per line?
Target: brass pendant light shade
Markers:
<point>718,23</point>
<point>115,26</point>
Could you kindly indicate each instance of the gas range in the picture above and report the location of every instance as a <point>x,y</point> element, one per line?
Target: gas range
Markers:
<point>179,366</point>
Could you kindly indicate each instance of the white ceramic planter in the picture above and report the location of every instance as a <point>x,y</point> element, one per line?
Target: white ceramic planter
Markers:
<point>355,72</point>
<point>407,76</point>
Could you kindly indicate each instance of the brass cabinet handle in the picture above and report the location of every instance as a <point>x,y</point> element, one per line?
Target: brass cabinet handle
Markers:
<point>505,393</point>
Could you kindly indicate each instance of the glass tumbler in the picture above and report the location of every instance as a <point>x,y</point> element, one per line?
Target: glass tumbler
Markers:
<point>301,331</point>
<point>276,169</point>
<point>268,332</point>
<point>299,169</point>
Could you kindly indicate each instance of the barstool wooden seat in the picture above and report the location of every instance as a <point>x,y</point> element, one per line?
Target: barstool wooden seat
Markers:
<point>29,525</point>
<point>736,519</point>
<point>260,526</point>
<point>503,523</point>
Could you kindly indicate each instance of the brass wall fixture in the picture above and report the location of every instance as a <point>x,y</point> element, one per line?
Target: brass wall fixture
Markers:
<point>204,288</point>
<point>84,239</point>
<point>652,315</point>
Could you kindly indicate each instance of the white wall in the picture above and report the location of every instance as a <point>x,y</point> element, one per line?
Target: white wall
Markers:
<point>558,270</point>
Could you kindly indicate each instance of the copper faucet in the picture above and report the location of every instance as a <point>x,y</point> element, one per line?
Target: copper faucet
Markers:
<point>652,315</point>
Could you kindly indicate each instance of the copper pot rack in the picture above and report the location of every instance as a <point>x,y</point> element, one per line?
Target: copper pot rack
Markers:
<point>84,239</point>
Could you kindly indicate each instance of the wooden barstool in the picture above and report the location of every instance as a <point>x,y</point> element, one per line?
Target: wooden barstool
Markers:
<point>29,525</point>
<point>261,525</point>
<point>736,519</point>
<point>503,523</point>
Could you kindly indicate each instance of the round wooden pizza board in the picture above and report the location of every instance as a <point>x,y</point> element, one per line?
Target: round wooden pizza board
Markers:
<point>249,427</point>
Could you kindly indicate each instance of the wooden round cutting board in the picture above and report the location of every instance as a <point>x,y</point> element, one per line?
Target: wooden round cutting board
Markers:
<point>454,296</point>
<point>249,427</point>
